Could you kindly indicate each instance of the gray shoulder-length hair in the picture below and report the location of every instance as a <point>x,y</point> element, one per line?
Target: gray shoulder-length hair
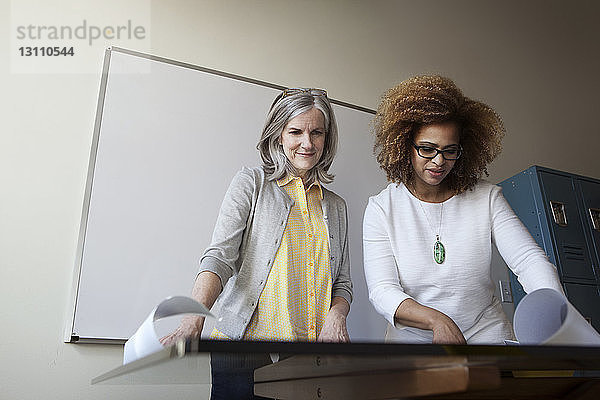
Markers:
<point>274,161</point>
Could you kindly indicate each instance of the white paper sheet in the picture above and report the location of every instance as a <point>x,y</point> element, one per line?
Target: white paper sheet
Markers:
<point>543,317</point>
<point>546,317</point>
<point>145,341</point>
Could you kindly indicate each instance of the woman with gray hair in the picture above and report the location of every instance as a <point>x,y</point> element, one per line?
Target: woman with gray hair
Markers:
<point>278,259</point>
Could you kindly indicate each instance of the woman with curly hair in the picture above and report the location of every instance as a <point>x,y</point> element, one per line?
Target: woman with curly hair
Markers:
<point>428,235</point>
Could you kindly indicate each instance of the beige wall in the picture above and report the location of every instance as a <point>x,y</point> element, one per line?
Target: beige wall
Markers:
<point>536,63</point>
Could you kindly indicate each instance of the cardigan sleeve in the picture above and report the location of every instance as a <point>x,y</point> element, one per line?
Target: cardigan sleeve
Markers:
<point>518,249</point>
<point>381,273</point>
<point>342,286</point>
<point>221,257</point>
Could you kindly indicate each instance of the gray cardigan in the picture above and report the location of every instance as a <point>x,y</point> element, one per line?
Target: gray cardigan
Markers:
<point>246,238</point>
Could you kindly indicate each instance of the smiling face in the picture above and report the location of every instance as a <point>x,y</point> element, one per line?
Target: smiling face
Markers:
<point>303,140</point>
<point>429,174</point>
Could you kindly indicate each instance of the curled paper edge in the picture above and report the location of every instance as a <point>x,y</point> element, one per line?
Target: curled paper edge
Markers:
<point>546,317</point>
<point>145,340</point>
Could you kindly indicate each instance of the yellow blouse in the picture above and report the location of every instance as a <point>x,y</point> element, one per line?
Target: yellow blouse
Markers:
<point>297,294</point>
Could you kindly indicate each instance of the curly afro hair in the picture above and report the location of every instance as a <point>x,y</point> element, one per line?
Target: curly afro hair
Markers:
<point>424,100</point>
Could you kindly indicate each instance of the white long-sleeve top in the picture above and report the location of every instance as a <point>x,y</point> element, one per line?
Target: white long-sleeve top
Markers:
<point>399,232</point>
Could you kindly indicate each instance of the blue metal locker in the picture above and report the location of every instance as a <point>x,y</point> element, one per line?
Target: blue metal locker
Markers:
<point>590,195</point>
<point>562,213</point>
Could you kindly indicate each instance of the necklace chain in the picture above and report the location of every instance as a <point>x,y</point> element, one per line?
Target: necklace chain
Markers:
<point>439,231</point>
<point>439,251</point>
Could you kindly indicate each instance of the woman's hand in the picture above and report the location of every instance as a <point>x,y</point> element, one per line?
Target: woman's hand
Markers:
<point>190,327</point>
<point>445,331</point>
<point>334,328</point>
<point>206,290</point>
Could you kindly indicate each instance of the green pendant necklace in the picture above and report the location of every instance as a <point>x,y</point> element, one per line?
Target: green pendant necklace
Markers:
<point>439,251</point>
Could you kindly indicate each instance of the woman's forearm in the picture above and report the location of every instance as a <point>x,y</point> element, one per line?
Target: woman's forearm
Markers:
<point>411,313</point>
<point>334,326</point>
<point>207,288</point>
<point>340,305</point>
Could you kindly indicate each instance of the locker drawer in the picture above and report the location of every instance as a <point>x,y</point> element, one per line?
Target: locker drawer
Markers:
<point>586,299</point>
<point>564,220</point>
<point>590,192</point>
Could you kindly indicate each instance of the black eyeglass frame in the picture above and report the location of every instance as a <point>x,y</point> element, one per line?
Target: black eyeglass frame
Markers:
<point>438,151</point>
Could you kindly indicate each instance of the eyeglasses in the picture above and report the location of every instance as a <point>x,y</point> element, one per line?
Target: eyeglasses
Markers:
<point>430,153</point>
<point>311,91</point>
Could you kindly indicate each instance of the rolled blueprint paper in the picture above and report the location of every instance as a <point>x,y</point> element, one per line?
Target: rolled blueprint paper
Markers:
<point>145,341</point>
<point>545,316</point>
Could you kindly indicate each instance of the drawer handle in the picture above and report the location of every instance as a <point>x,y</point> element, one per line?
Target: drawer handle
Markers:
<point>595,217</point>
<point>558,213</point>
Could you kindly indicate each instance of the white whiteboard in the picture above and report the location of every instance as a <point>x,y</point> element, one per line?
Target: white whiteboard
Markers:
<point>168,139</point>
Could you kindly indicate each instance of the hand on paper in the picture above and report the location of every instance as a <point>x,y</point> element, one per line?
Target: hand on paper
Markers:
<point>334,326</point>
<point>445,331</point>
<point>206,290</point>
<point>190,327</point>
